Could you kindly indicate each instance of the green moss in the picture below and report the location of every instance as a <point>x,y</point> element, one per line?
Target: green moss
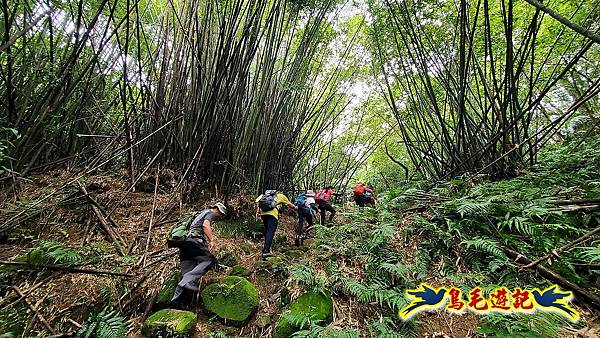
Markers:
<point>312,305</point>
<point>168,289</point>
<point>239,270</point>
<point>170,323</point>
<point>234,299</point>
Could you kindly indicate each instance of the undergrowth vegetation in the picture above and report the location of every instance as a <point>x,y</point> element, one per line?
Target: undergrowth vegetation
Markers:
<point>462,229</point>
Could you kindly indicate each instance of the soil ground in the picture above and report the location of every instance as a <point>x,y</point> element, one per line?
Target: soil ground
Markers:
<point>66,299</point>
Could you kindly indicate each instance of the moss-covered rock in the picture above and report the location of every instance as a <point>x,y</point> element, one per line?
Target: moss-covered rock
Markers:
<point>239,270</point>
<point>170,323</point>
<point>234,299</point>
<point>312,305</point>
<point>167,290</point>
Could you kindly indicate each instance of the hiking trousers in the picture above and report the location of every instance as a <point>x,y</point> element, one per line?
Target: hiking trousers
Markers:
<point>323,208</point>
<point>270,223</point>
<point>195,260</point>
<point>360,200</point>
<point>303,215</point>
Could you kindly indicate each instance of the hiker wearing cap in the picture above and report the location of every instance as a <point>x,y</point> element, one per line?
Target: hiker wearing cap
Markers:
<point>196,252</point>
<point>306,204</point>
<point>323,199</point>
<point>268,207</point>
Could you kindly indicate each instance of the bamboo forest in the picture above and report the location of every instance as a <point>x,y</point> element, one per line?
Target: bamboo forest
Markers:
<point>299,168</point>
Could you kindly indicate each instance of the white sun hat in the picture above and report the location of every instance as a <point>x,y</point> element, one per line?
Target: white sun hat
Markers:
<point>222,208</point>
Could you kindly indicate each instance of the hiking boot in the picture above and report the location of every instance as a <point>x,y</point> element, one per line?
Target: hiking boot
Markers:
<point>298,240</point>
<point>266,255</point>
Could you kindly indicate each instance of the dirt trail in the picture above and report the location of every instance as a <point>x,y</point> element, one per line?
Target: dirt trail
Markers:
<point>66,299</point>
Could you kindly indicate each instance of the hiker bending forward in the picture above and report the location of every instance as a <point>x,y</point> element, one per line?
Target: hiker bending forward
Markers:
<point>323,199</point>
<point>195,254</point>
<point>268,206</point>
<point>363,195</point>
<point>306,207</point>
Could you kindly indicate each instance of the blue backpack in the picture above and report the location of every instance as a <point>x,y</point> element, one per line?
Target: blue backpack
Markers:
<point>300,201</point>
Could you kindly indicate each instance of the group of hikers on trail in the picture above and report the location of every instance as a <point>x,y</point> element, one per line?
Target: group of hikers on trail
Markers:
<point>194,237</point>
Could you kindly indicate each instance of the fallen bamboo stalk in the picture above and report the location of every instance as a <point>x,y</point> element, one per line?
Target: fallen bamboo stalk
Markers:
<point>35,310</point>
<point>583,208</point>
<point>142,278</point>
<point>590,266</point>
<point>65,269</point>
<point>132,186</point>
<point>103,222</point>
<point>26,293</point>
<point>149,307</point>
<point>575,202</point>
<point>148,236</point>
<point>553,276</point>
<point>61,335</point>
<point>555,252</point>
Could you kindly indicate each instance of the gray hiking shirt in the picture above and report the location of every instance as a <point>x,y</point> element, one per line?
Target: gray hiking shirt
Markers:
<point>196,228</point>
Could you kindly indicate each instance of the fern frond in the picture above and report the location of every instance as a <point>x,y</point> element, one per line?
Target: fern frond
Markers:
<point>470,207</point>
<point>591,254</point>
<point>106,324</point>
<point>486,245</point>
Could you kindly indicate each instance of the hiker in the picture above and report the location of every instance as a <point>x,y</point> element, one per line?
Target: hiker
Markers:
<point>363,195</point>
<point>323,200</point>
<point>307,205</point>
<point>196,252</point>
<point>370,196</point>
<point>268,206</point>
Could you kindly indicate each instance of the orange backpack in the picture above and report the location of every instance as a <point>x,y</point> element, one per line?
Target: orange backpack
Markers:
<point>359,190</point>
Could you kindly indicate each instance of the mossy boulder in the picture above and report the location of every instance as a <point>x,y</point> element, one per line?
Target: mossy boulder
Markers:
<point>239,270</point>
<point>170,323</point>
<point>167,290</point>
<point>234,299</point>
<point>312,305</point>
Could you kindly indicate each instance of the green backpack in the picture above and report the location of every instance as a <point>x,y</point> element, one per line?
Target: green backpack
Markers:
<point>179,232</point>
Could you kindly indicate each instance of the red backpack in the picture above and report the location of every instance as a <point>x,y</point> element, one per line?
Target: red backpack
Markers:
<point>321,195</point>
<point>359,190</point>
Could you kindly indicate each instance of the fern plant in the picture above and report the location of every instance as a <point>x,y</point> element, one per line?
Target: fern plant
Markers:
<point>106,324</point>
<point>486,245</point>
<point>52,252</point>
<point>387,327</point>
<point>592,253</point>
<point>317,331</point>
